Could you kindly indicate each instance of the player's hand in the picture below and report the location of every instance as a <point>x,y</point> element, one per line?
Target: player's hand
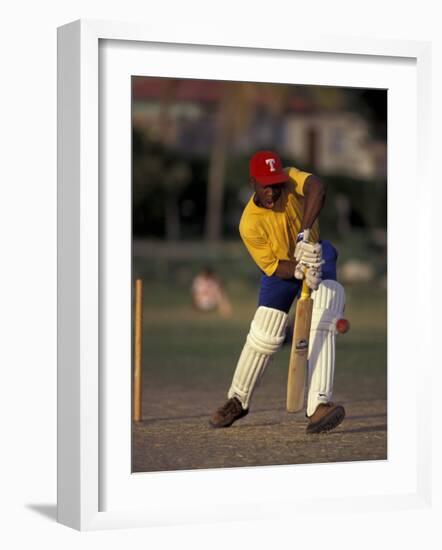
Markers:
<point>313,276</point>
<point>309,254</point>
<point>309,261</point>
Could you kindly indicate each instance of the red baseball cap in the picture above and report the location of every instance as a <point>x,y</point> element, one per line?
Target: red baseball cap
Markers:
<point>266,168</point>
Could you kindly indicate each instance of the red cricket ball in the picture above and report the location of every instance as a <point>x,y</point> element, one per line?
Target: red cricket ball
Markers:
<point>342,326</point>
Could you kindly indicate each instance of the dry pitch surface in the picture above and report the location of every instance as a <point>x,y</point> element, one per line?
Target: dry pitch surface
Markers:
<point>176,436</point>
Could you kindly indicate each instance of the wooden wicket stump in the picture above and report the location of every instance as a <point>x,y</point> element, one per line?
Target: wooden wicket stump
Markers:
<point>138,353</point>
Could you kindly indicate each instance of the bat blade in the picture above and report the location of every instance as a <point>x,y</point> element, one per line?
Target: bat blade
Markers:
<point>298,356</point>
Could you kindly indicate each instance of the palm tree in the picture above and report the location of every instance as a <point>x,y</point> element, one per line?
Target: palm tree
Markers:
<point>235,112</point>
<point>217,163</point>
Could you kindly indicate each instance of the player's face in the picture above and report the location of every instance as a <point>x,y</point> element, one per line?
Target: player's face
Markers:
<point>268,195</point>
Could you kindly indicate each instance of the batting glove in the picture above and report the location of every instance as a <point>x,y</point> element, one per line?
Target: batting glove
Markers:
<point>313,276</point>
<point>309,254</point>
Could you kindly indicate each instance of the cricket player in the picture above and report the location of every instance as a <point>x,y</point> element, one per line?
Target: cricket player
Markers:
<point>285,202</point>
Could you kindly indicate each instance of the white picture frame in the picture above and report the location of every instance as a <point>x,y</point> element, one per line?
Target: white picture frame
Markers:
<point>82,263</point>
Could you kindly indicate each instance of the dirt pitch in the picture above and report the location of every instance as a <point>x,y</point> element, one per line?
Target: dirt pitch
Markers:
<point>176,434</point>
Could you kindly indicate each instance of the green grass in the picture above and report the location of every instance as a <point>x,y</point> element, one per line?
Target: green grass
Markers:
<point>190,349</point>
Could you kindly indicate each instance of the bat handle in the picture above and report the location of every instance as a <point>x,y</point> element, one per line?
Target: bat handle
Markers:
<point>305,291</point>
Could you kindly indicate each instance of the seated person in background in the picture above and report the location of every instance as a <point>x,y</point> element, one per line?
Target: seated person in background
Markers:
<point>208,294</point>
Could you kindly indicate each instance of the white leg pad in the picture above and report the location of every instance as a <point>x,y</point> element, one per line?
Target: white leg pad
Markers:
<point>267,332</point>
<point>328,307</point>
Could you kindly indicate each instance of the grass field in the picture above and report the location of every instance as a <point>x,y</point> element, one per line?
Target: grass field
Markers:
<point>188,363</point>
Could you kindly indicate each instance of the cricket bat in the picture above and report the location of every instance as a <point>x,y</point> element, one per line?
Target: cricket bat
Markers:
<point>299,353</point>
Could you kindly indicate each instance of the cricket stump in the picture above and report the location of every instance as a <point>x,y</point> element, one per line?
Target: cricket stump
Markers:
<point>138,352</point>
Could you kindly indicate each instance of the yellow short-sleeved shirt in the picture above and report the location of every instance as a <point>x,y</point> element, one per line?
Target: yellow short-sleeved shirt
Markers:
<point>270,235</point>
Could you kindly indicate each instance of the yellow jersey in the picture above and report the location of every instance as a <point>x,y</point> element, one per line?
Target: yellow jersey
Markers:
<point>270,235</point>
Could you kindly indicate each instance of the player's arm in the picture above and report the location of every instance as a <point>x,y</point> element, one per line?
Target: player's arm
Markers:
<point>308,256</point>
<point>314,198</point>
<point>286,269</point>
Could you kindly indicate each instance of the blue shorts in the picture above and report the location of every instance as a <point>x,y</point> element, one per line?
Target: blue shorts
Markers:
<point>280,293</point>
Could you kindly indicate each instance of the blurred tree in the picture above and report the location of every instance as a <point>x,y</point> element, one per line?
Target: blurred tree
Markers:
<point>234,114</point>
<point>178,175</point>
<point>168,95</point>
<point>328,98</point>
<point>147,180</point>
<point>217,162</point>
<point>371,104</point>
<point>159,178</point>
<point>167,171</point>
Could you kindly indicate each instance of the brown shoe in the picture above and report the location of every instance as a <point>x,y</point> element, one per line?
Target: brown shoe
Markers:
<point>326,417</point>
<point>226,415</point>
